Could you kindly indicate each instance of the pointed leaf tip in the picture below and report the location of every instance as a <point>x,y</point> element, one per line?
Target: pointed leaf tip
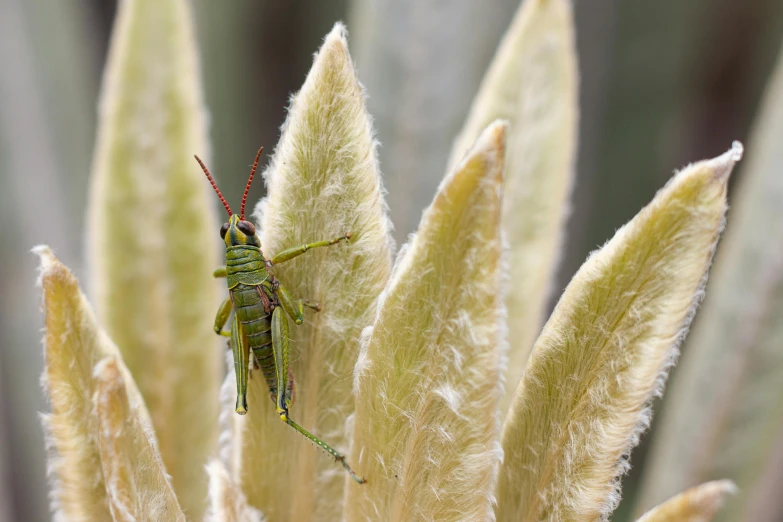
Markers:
<point>723,165</point>
<point>339,33</point>
<point>45,256</point>
<point>73,343</point>
<point>489,148</point>
<point>697,504</point>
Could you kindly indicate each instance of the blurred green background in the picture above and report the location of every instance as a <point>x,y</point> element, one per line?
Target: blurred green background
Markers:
<point>663,83</point>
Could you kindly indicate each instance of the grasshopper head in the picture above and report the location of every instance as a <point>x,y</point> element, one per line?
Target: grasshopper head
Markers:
<point>238,231</point>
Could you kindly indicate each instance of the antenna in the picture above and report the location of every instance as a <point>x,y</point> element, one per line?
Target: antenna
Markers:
<point>214,186</point>
<point>249,181</point>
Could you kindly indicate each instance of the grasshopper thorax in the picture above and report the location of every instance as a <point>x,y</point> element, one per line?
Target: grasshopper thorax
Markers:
<point>238,231</point>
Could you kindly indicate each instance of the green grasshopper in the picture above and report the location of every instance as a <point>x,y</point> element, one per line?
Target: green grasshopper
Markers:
<point>260,304</point>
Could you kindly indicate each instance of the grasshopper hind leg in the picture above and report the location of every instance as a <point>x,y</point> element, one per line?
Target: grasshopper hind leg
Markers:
<point>339,457</point>
<point>285,382</point>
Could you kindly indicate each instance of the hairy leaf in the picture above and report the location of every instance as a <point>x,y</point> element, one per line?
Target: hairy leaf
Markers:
<point>426,428</point>
<point>137,485</point>
<point>74,343</point>
<point>605,351</point>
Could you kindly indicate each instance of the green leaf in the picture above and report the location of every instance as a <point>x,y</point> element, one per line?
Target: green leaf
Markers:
<point>323,182</point>
<point>426,428</point>
<point>152,233</point>
<point>724,413</point>
<point>532,83</point>
<point>605,351</point>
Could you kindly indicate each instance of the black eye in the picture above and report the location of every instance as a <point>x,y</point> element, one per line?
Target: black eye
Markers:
<point>224,230</point>
<point>247,228</point>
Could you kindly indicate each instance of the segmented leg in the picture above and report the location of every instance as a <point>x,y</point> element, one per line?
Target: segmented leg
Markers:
<point>222,318</point>
<point>294,307</point>
<point>219,272</point>
<point>280,349</point>
<point>291,253</point>
<point>241,349</point>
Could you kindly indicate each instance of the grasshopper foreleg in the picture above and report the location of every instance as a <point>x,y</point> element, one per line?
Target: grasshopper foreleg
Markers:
<point>291,253</point>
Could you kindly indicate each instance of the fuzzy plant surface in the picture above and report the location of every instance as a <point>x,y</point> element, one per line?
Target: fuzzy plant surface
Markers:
<point>424,371</point>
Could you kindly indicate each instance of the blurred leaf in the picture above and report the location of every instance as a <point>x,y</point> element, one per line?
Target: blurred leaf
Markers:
<point>422,63</point>
<point>724,414</point>
<point>604,353</point>
<point>532,83</point>
<point>427,381</point>
<point>6,507</point>
<point>152,233</point>
<point>698,504</point>
<point>137,485</point>
<point>323,182</point>
<point>763,502</point>
<point>74,343</point>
